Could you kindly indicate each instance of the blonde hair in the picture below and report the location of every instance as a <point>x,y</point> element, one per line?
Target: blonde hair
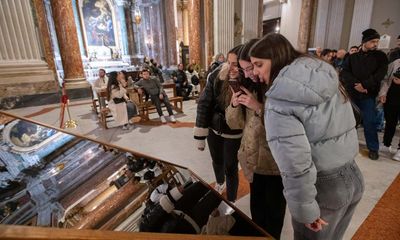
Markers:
<point>224,72</point>
<point>225,93</point>
<point>216,57</point>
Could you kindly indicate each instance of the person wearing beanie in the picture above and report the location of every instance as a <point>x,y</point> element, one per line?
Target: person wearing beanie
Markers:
<point>369,34</point>
<point>362,75</point>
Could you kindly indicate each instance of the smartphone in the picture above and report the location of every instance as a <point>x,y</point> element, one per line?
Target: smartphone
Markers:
<point>235,84</point>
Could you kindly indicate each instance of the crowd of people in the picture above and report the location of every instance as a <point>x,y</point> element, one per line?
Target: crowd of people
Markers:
<point>289,119</point>
<point>368,74</point>
<point>149,84</point>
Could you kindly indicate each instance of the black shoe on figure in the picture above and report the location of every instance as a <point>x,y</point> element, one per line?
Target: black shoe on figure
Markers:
<point>373,155</point>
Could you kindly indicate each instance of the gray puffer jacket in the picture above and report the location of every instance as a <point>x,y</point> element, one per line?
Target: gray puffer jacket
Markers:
<point>310,128</point>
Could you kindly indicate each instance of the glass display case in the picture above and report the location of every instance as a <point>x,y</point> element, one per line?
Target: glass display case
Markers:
<point>51,178</point>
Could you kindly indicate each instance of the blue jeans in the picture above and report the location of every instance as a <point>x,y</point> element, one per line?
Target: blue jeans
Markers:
<point>380,124</point>
<point>132,110</point>
<point>368,111</point>
<point>338,193</point>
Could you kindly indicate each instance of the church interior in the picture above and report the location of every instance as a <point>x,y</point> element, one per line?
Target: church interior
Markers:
<point>67,165</point>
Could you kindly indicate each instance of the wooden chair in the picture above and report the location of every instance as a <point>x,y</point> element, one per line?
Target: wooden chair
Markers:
<point>95,101</point>
<point>104,110</point>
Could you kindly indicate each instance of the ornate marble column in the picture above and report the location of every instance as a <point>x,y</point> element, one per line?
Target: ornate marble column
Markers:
<point>290,18</point>
<point>223,26</point>
<point>185,22</point>
<point>63,15</point>
<point>44,32</point>
<point>307,7</point>
<point>250,15</point>
<point>329,23</point>
<point>335,28</point>
<point>164,56</point>
<point>82,47</point>
<point>194,36</point>
<point>171,32</point>
<point>321,23</point>
<point>26,61</point>
<point>123,26</point>
<point>132,46</point>
<point>209,31</point>
<point>158,37</point>
<point>260,18</point>
<point>362,15</point>
<point>238,20</point>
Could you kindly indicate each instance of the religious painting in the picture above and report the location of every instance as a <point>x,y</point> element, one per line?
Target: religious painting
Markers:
<point>26,134</point>
<point>98,23</point>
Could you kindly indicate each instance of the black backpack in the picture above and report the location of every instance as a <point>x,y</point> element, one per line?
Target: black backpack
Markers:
<point>195,80</point>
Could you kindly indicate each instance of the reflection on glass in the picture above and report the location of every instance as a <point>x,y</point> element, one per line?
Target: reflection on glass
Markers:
<point>50,178</point>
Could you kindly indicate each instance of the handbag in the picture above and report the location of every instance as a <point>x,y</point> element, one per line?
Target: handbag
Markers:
<point>195,80</point>
<point>119,100</point>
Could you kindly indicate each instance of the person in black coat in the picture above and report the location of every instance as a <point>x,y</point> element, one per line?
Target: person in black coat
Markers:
<point>362,75</point>
<point>183,87</point>
<point>223,142</point>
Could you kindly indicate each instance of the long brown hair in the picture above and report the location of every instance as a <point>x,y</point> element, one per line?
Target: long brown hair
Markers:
<point>276,48</point>
<point>259,88</point>
<point>245,50</point>
<point>226,94</point>
<point>112,83</point>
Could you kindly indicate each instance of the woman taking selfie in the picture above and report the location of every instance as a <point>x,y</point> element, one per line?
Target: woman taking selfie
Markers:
<point>223,142</point>
<point>311,132</point>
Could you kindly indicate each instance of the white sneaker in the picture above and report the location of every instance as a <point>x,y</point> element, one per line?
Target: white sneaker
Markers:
<point>389,149</point>
<point>172,118</point>
<point>225,209</point>
<point>163,120</point>
<point>397,156</point>
<point>219,187</point>
<point>125,127</point>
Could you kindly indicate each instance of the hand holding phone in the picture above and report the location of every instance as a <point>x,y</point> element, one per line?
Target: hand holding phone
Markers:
<point>235,84</point>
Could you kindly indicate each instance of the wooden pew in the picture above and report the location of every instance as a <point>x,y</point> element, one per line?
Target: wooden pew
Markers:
<point>147,107</point>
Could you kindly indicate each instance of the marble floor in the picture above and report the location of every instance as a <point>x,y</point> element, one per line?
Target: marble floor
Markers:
<point>174,143</point>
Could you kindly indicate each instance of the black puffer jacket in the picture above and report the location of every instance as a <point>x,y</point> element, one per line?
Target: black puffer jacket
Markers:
<point>367,68</point>
<point>181,77</point>
<point>210,111</point>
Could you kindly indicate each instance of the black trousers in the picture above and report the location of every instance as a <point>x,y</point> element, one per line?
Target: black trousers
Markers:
<point>267,203</point>
<point>392,114</point>
<point>225,163</point>
<point>157,102</point>
<point>184,91</point>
